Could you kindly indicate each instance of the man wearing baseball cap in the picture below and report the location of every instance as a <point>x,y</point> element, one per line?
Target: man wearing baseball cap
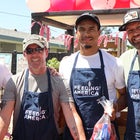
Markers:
<point>35,96</point>
<point>131,63</point>
<point>91,73</point>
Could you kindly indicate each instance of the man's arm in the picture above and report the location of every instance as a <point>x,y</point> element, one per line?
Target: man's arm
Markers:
<point>73,121</point>
<point>5,117</point>
<point>122,99</point>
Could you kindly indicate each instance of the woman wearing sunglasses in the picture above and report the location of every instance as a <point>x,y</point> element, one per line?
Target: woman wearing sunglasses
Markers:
<point>35,96</point>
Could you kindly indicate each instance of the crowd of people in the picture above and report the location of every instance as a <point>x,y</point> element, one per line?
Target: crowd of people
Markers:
<point>36,95</point>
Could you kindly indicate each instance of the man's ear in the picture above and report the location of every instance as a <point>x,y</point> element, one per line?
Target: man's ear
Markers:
<point>47,52</point>
<point>24,54</point>
<point>99,32</point>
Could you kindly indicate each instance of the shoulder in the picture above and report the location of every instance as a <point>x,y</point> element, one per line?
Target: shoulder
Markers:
<point>17,78</point>
<point>58,84</point>
<point>111,62</point>
<point>128,56</point>
<point>56,79</point>
<point>69,58</point>
<point>5,73</point>
<point>67,63</point>
<point>3,67</point>
<point>129,53</point>
<point>107,57</point>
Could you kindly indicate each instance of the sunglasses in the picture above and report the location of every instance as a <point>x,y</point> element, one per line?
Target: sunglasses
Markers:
<point>32,50</point>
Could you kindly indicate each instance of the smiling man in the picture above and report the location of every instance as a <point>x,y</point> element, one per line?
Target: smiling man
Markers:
<point>35,96</point>
<point>131,63</point>
<point>92,73</point>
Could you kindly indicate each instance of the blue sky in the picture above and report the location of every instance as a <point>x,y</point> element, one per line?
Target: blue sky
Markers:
<point>14,14</point>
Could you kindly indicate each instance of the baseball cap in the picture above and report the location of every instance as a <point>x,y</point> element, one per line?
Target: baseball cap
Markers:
<point>87,16</point>
<point>130,16</point>
<point>35,39</point>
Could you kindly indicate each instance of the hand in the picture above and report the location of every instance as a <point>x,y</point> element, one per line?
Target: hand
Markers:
<point>111,111</point>
<point>113,115</point>
<point>53,71</point>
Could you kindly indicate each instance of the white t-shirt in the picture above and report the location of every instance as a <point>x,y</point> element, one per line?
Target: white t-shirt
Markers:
<point>113,69</point>
<point>5,75</point>
<point>126,59</point>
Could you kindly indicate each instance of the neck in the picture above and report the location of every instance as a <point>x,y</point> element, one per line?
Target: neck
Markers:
<point>38,71</point>
<point>88,51</point>
<point>138,52</point>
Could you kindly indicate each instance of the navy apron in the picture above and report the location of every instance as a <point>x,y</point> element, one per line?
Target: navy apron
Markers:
<point>88,85</point>
<point>36,117</point>
<point>133,119</point>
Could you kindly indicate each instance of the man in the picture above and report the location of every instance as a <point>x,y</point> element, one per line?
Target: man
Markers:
<point>92,73</point>
<point>131,63</point>
<point>35,97</point>
<point>5,75</point>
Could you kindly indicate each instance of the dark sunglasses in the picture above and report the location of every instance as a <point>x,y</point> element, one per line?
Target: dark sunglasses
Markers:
<point>32,50</point>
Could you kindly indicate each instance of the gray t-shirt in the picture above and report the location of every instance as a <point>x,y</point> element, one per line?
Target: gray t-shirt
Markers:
<point>37,83</point>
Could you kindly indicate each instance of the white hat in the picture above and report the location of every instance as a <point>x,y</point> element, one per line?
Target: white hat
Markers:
<point>130,16</point>
<point>35,39</point>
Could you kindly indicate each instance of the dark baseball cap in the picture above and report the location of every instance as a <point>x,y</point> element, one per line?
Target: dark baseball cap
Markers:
<point>130,16</point>
<point>88,16</point>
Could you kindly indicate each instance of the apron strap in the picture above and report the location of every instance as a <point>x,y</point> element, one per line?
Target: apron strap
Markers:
<point>103,82</point>
<point>133,61</point>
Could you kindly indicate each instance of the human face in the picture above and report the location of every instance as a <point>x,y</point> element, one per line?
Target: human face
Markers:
<point>36,58</point>
<point>87,35</point>
<point>133,31</point>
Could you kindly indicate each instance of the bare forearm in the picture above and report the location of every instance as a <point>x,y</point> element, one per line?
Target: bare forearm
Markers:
<point>74,122</point>
<point>122,100</point>
<point>3,129</point>
<point>80,129</point>
<point>5,117</point>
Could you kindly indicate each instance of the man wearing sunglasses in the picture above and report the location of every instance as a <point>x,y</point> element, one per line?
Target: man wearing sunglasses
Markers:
<point>35,96</point>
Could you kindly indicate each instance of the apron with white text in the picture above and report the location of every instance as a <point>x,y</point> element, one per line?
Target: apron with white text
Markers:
<point>88,85</point>
<point>133,119</point>
<point>36,117</point>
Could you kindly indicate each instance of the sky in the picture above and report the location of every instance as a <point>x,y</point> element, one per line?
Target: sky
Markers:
<point>14,14</point>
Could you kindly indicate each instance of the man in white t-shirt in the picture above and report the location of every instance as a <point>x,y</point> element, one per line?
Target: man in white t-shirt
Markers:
<point>92,73</point>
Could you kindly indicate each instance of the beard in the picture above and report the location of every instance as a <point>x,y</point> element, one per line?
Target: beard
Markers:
<point>87,46</point>
<point>135,41</point>
<point>136,45</point>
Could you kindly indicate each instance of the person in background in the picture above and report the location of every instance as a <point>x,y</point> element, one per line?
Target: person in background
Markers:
<point>131,64</point>
<point>92,73</point>
<point>4,77</point>
<point>35,97</point>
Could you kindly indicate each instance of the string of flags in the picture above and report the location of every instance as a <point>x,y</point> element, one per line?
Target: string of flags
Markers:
<point>67,39</point>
